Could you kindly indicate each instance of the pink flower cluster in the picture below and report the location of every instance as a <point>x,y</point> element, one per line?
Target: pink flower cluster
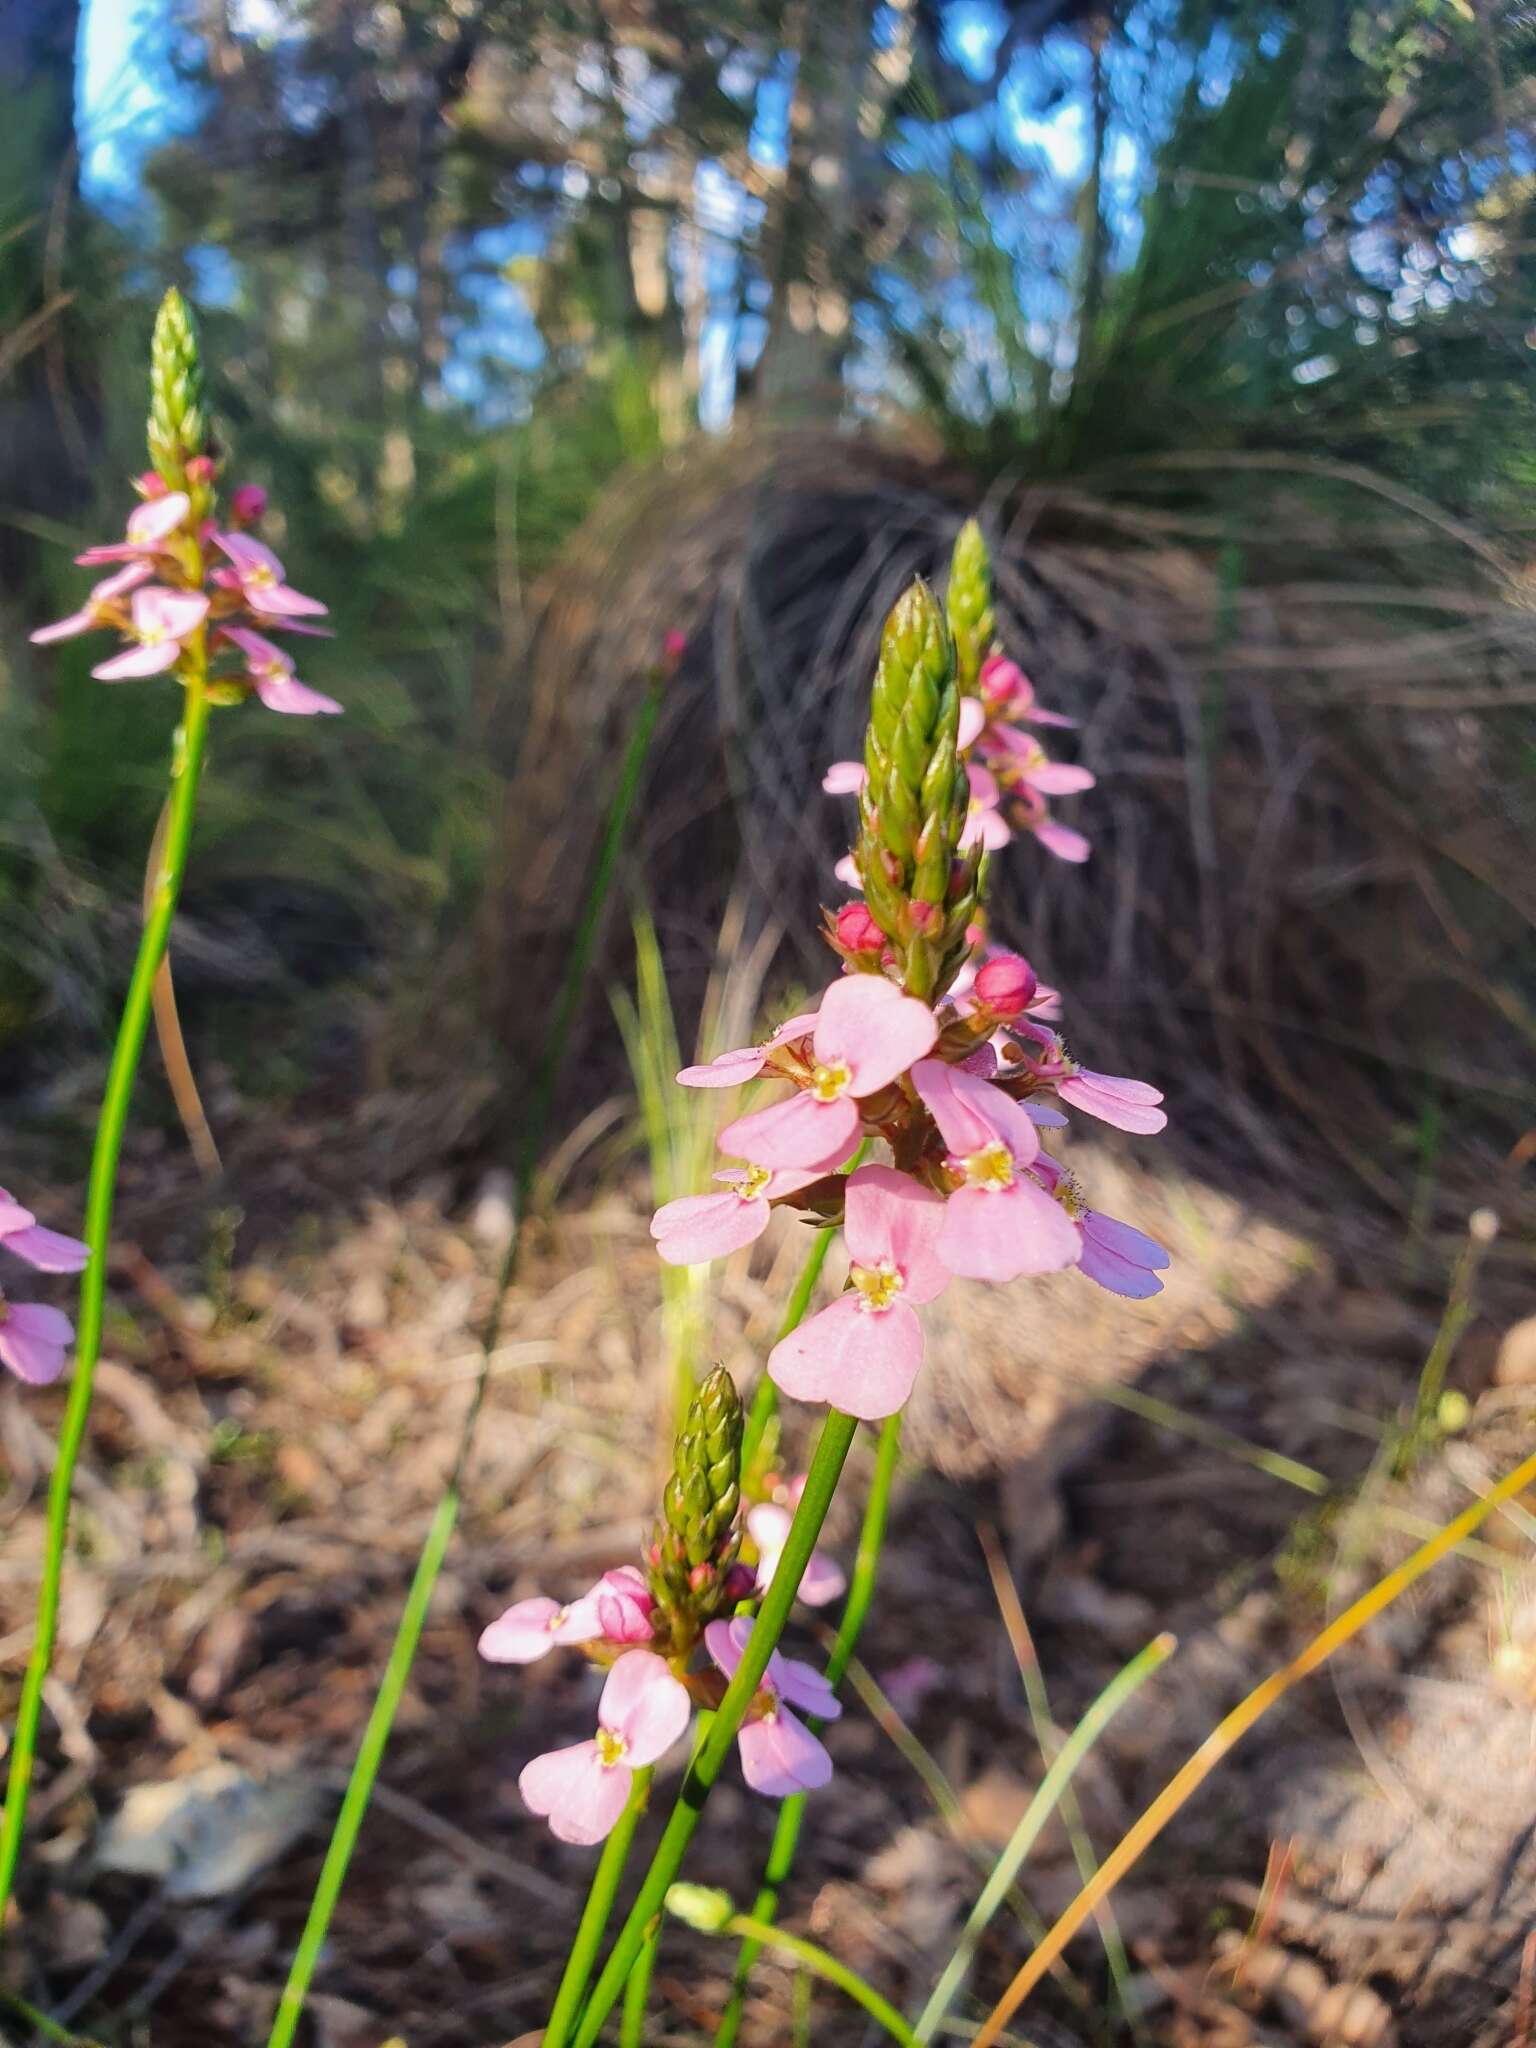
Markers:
<point>35,1338</point>
<point>959,1093</point>
<point>1011,776</point>
<point>649,1694</point>
<point>171,594</point>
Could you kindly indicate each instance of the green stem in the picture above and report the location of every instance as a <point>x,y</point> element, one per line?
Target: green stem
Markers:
<point>820,1484</point>
<point>1026,1834</point>
<point>786,1833</point>
<point>759,1934</point>
<point>186,769</point>
<point>370,1753</point>
<point>594,1916</point>
<point>636,1992</point>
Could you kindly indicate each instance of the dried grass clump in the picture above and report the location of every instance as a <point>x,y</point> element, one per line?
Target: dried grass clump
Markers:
<point>1307,694</point>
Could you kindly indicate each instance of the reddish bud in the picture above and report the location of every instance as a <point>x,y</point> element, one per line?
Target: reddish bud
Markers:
<point>923,916</point>
<point>1001,680</point>
<point>200,469</point>
<point>247,503</point>
<point>675,646</point>
<point>151,484</point>
<point>1006,986</point>
<point>740,1581</point>
<point>701,1576</point>
<point>857,930</point>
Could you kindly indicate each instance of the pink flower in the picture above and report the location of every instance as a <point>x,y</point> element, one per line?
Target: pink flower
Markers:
<point>699,1227</point>
<point>768,1526</point>
<point>163,620</point>
<point>1113,1098</point>
<point>973,717</point>
<point>581,1791</point>
<point>675,645</point>
<point>862,1354</point>
<point>779,1754</point>
<point>867,1033</point>
<point>247,504</point>
<point>100,608</point>
<point>259,575</point>
<point>857,930</point>
<point>272,676</point>
<point>1123,1260</point>
<point>33,1340</point>
<point>847,872</point>
<point>983,820</point>
<point>1001,1223</point>
<point>1034,768</point>
<point>50,1251</point>
<point>1006,687</point>
<point>1061,840</point>
<point>150,526</point>
<point>730,1069</point>
<point>616,1610</point>
<point>845,778</point>
<point>151,484</point>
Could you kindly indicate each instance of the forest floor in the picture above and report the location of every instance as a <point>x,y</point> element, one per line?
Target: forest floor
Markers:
<point>277,1408</point>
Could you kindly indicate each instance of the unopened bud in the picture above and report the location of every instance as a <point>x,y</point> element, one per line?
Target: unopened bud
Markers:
<point>969,605</point>
<point>1006,986</point>
<point>1002,680</point>
<point>675,646</point>
<point>857,930</point>
<point>247,504</point>
<point>178,423</point>
<point>701,1907</point>
<point>150,485</point>
<point>200,469</point>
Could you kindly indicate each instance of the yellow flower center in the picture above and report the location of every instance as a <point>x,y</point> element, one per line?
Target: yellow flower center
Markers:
<point>878,1286</point>
<point>827,1083</point>
<point>757,1179</point>
<point>261,576</point>
<point>991,1167</point>
<point>151,636</point>
<point>556,1621</point>
<point>1069,1192</point>
<point>611,1748</point>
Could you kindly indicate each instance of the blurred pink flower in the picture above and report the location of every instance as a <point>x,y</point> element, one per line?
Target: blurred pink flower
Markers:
<point>845,778</point>
<point>1005,686</point>
<point>163,620</point>
<point>768,1526</point>
<point>1001,1223</point>
<point>50,1251</point>
<point>867,1033</point>
<point>272,677</point>
<point>581,1791</point>
<point>150,526</point>
<point>247,504</point>
<point>33,1340</point>
<point>973,717</point>
<point>616,1610</point>
<point>259,575</point>
<point>983,820</point>
<point>699,1227</point>
<point>779,1754</point>
<point>862,1354</point>
<point>100,608</point>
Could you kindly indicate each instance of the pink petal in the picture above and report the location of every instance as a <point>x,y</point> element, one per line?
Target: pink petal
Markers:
<point>780,1756</point>
<point>823,1580</point>
<point>1128,1105</point>
<point>972,1114</point>
<point>33,1341</point>
<point>889,1216</point>
<point>804,1687</point>
<point>286,693</point>
<point>973,716</point>
<point>50,1251</point>
<point>845,778</point>
<point>12,1215</point>
<point>278,601</point>
<point>111,587</point>
<point>847,872</point>
<point>991,828</point>
<point>158,519</point>
<point>1059,778</point>
<point>866,1022</point>
<point>623,1601</point>
<point>645,1705</point>
<point>139,661</point>
<point>725,1641</point>
<point>859,1361</point>
<point>175,613</point>
<point>530,1629</point>
<point>1063,841</point>
<point>1000,1233</point>
<point>696,1228</point>
<point>800,1132</point>
<point>257,646</point>
<point>1117,1275</point>
<point>1124,1241</point>
<point>250,557</point>
<point>579,1795</point>
<point>1038,717</point>
<point>727,1069</point>
<point>65,629</point>
<point>983,785</point>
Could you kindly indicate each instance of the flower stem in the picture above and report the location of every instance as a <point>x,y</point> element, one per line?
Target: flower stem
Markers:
<point>594,1916</point>
<point>186,769</point>
<point>370,1753</point>
<point>636,1992</point>
<point>758,1934</point>
<point>786,1833</point>
<point>1047,1798</point>
<point>820,1484</point>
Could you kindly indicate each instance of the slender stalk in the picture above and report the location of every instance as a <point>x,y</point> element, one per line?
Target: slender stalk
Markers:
<point>594,1915</point>
<point>636,1993</point>
<point>760,1934</point>
<point>186,770</point>
<point>1047,1798</point>
<point>786,1833</point>
<point>375,1739</point>
<point>1229,1731</point>
<point>837,1435</point>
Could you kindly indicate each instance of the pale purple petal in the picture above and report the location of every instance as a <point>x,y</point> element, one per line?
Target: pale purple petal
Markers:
<point>868,1024</point>
<point>696,1228</point>
<point>861,1361</point>
<point>50,1251</point>
<point>33,1340</point>
<point>250,557</point>
<point>645,1706</point>
<point>576,1792</point>
<point>12,1215</point>
<point>804,1687</point>
<point>725,1641</point>
<point>889,1216</point>
<point>780,1756</point>
<point>1118,1257</point>
<point>800,1132</point>
<point>1000,1233</point>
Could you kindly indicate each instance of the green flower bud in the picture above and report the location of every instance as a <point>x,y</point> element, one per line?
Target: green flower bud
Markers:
<point>697,1539</point>
<point>972,621</point>
<point>912,810</point>
<point>178,417</point>
<point>701,1907</point>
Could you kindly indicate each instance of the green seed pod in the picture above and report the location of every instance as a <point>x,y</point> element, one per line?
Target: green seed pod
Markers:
<point>972,621</point>
<point>178,417</point>
<point>912,810</point>
<point>700,1906</point>
<point>697,1539</point>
